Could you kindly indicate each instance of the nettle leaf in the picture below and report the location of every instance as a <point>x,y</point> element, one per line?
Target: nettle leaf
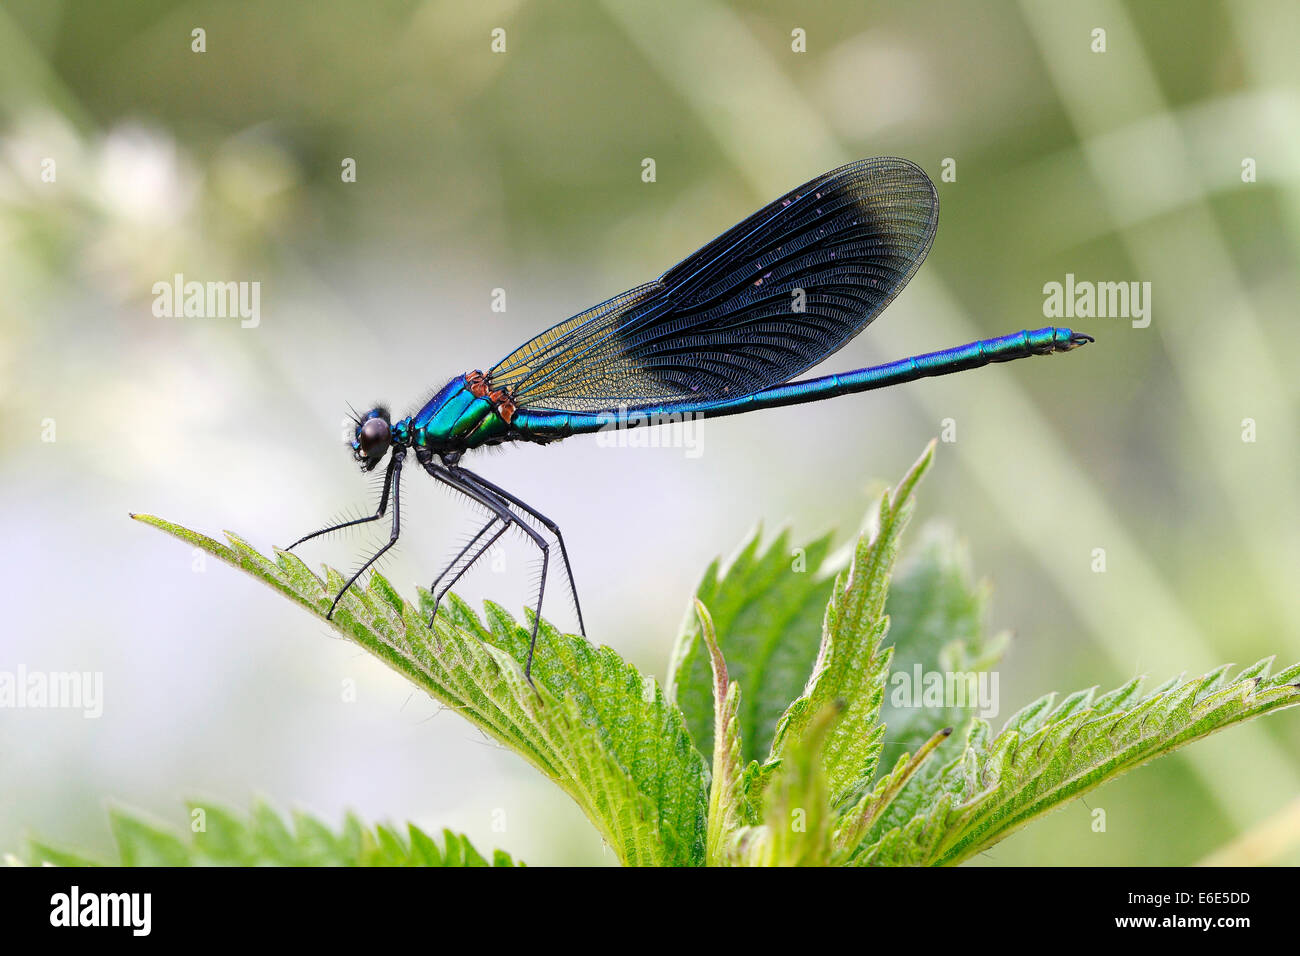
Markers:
<point>767,610</point>
<point>799,823</point>
<point>936,628</point>
<point>615,742</point>
<point>726,798</point>
<point>141,843</point>
<point>857,821</point>
<point>852,667</point>
<point>223,838</point>
<point>592,724</point>
<point>1052,752</point>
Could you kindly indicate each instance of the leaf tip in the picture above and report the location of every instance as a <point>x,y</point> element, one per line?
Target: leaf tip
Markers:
<point>903,490</point>
<point>716,658</point>
<point>702,613</point>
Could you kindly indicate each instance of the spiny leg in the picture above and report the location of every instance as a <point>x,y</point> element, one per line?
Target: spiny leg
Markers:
<point>550,526</point>
<point>463,551</point>
<point>454,479</point>
<point>437,600</point>
<point>395,471</point>
<point>537,618</point>
<point>383,506</point>
<point>486,496</point>
<point>433,588</point>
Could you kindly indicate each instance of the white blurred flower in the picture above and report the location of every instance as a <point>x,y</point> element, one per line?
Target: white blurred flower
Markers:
<point>140,178</point>
<point>872,82</point>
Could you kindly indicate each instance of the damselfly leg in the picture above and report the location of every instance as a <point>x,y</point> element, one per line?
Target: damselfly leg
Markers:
<point>457,478</point>
<point>394,476</point>
<point>547,523</point>
<point>383,507</point>
<point>461,568</point>
<point>392,482</point>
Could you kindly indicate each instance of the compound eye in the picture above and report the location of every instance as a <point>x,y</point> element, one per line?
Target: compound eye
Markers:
<point>373,437</point>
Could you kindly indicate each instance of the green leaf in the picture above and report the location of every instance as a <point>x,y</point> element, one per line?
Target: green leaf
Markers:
<point>851,666</point>
<point>936,626</point>
<point>424,852</point>
<point>224,838</point>
<point>624,753</point>
<point>857,821</point>
<point>317,845</point>
<point>1052,752</point>
<point>271,836</point>
<point>42,854</point>
<point>592,724</point>
<point>799,823</point>
<point>264,839</point>
<point>725,794</point>
<point>140,843</point>
<point>460,852</point>
<point>767,611</point>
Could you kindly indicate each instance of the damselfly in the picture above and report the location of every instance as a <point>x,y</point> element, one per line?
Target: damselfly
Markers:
<point>724,331</point>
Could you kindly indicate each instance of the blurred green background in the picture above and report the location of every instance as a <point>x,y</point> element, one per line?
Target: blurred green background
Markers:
<point>522,171</point>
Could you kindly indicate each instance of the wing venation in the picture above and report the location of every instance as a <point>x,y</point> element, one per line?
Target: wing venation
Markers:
<point>762,303</point>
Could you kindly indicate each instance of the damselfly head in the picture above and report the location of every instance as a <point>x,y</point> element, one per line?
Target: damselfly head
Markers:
<point>373,436</point>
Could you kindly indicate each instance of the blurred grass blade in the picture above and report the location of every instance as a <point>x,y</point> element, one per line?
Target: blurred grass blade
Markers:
<point>1263,845</point>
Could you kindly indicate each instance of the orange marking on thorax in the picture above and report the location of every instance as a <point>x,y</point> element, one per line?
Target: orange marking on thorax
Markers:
<point>480,387</point>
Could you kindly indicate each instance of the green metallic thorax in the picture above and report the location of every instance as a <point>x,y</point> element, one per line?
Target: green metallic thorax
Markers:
<point>456,420</point>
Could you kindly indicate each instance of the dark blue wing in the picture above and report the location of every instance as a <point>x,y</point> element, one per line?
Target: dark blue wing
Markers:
<point>762,303</point>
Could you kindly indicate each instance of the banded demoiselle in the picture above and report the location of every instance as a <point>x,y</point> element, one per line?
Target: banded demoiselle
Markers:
<point>723,331</point>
